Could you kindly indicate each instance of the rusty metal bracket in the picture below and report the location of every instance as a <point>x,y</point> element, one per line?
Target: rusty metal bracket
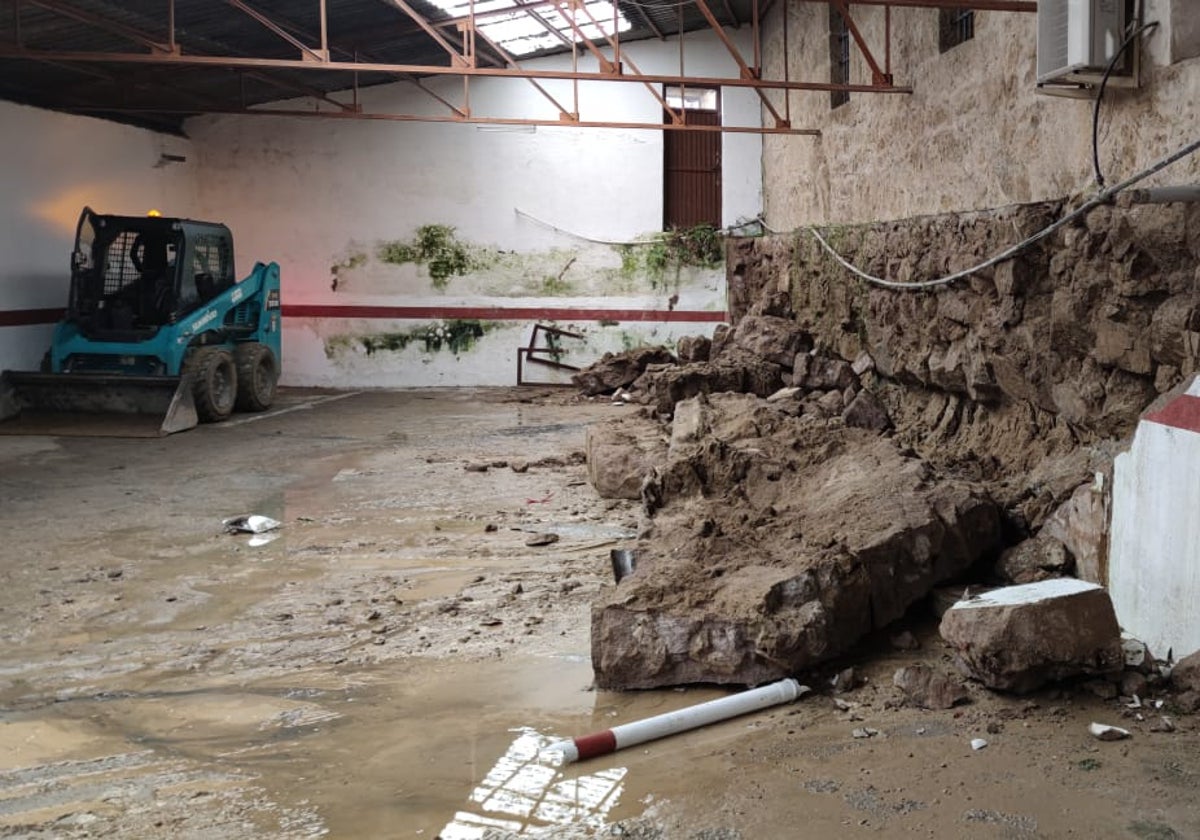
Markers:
<point>545,356</point>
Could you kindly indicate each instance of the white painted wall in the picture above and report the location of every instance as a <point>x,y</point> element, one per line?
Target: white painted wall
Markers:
<point>313,194</point>
<point>1154,570</point>
<point>51,166</point>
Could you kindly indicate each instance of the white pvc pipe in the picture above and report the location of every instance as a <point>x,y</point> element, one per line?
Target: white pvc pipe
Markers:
<point>681,720</point>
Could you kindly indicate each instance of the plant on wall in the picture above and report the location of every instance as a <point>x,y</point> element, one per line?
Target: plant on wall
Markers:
<point>702,246</point>
<point>435,247</point>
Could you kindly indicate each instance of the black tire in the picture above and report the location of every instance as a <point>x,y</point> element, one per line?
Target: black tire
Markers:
<point>257,374</point>
<point>214,387</point>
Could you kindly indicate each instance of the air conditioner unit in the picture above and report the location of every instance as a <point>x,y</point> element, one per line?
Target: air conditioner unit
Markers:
<point>1077,38</point>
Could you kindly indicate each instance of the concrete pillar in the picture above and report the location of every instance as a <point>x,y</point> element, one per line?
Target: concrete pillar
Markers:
<point>1154,563</point>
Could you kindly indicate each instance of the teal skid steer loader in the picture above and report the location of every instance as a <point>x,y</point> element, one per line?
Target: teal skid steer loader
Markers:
<point>158,334</point>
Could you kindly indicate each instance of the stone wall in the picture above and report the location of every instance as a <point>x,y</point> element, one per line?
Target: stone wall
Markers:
<point>1022,374</point>
<point>974,133</point>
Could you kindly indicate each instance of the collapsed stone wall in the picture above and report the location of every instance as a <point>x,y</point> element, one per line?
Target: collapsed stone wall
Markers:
<point>1024,368</point>
<point>841,449</point>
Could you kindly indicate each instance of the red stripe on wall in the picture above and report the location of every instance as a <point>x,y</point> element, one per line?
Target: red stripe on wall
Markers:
<point>1183,412</point>
<point>29,317</point>
<point>500,313</point>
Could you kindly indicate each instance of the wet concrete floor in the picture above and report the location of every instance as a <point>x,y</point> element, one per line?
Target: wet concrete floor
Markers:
<point>394,659</point>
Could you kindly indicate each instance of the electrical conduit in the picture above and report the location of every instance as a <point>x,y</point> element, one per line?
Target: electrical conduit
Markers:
<point>681,720</point>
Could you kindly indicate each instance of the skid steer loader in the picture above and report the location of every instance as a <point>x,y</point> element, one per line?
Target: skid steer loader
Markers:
<point>158,334</point>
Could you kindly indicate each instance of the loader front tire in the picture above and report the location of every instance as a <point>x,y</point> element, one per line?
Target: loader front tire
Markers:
<point>257,375</point>
<point>214,385</point>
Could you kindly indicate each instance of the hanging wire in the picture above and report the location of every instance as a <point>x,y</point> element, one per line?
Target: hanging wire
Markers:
<point>1103,197</point>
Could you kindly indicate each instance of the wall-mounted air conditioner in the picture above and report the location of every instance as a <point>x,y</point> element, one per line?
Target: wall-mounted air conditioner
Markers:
<point>1077,38</point>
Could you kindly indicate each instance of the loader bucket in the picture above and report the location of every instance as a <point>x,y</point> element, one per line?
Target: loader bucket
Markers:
<point>95,405</point>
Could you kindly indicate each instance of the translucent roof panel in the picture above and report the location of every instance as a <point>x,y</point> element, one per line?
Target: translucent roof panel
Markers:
<point>521,33</point>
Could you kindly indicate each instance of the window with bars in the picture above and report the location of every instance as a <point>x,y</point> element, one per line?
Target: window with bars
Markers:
<point>839,57</point>
<point>955,26</point>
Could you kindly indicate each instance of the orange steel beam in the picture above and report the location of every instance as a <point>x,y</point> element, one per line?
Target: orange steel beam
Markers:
<point>747,73</point>
<point>513,63</point>
<point>878,76</point>
<point>187,59</point>
<point>471,120</point>
<point>144,38</point>
<point>107,24</point>
<point>456,58</point>
<point>616,63</point>
<point>254,13</point>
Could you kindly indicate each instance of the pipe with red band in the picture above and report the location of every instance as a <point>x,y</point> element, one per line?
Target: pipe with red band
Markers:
<point>681,720</point>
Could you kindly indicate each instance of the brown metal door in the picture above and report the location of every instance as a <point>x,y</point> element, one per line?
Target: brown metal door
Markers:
<point>692,174</point>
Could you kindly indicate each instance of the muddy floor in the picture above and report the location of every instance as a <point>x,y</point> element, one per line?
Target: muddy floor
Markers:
<point>393,660</point>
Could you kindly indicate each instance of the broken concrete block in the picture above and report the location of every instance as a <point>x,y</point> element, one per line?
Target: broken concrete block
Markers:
<point>1018,638</point>
<point>866,412</point>
<point>1039,558</point>
<point>620,456</point>
<point>619,370</point>
<point>926,688</point>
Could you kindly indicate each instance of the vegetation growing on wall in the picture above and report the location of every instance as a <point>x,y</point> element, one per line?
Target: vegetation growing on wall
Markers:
<point>437,249</point>
<point>702,246</point>
<point>455,336</point>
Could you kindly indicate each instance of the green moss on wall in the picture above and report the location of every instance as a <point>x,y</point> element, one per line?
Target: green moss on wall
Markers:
<point>437,249</point>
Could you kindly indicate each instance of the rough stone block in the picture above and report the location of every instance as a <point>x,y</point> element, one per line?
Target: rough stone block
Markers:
<point>1017,638</point>
<point>620,456</point>
<point>928,689</point>
<point>866,412</point>
<point>619,370</point>
<point>775,339</point>
<point>824,374</point>
<point>693,348</point>
<point>1040,558</point>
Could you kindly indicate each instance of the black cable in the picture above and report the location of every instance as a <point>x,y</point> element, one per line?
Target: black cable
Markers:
<point>1112,63</point>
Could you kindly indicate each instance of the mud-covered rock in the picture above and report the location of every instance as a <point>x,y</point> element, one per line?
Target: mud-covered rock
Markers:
<point>621,454</point>
<point>1018,638</point>
<point>929,689</point>
<point>619,370</point>
<point>735,370</point>
<point>693,348</point>
<point>865,411</point>
<point>1185,676</point>
<point>771,338</point>
<point>822,373</point>
<point>776,543</point>
<point>1039,558</point>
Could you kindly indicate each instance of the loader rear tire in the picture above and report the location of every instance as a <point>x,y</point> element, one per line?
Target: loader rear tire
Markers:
<point>257,376</point>
<point>214,386</point>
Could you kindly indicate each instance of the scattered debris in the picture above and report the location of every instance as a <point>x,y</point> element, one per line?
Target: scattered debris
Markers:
<point>926,688</point>
<point>542,539</point>
<point>1165,724</point>
<point>978,743</point>
<point>476,466</point>
<point>250,523</point>
<point>1014,638</point>
<point>1104,732</point>
<point>864,732</point>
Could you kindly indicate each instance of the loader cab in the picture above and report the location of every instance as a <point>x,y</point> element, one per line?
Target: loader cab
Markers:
<point>132,275</point>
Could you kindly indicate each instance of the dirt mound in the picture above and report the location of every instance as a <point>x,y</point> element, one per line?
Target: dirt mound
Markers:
<point>776,542</point>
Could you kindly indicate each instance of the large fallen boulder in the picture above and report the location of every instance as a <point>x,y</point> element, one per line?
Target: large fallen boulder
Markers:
<point>619,370</point>
<point>777,542</point>
<point>1018,638</point>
